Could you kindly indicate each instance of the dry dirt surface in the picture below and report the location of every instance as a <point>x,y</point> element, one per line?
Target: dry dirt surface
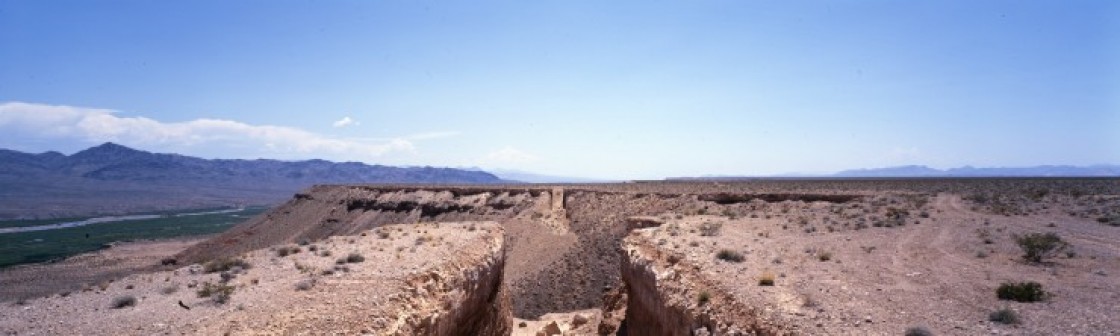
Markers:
<point>439,279</point>
<point>938,273</point>
<point>88,269</point>
<point>847,257</point>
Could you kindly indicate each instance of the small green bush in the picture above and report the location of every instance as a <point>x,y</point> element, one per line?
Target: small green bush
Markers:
<point>1021,292</point>
<point>1005,316</point>
<point>1038,246</point>
<point>123,301</point>
<point>729,256</point>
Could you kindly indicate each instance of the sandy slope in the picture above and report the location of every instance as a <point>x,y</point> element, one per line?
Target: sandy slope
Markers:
<point>381,295</point>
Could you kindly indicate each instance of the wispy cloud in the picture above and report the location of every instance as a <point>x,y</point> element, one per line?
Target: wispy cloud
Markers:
<point>431,135</point>
<point>99,125</point>
<point>345,121</point>
<point>508,156</point>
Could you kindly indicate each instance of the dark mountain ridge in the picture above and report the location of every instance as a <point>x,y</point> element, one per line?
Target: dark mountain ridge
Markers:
<point>114,179</point>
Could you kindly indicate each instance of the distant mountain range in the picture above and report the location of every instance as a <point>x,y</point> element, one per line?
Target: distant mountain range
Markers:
<point>966,171</point>
<point>114,179</point>
<point>530,177</point>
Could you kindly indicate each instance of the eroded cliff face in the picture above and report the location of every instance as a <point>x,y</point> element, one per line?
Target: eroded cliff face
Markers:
<point>465,296</point>
<point>324,211</point>
<point>667,296</point>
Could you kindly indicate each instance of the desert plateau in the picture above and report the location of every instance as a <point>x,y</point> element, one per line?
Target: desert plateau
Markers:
<point>766,257</point>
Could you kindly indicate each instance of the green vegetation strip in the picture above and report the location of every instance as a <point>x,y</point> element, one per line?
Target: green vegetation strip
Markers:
<point>40,246</point>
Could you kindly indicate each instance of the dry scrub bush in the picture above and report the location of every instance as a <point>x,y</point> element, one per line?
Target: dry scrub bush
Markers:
<point>305,284</point>
<point>918,331</point>
<point>710,229</point>
<point>224,264</point>
<point>1005,316</point>
<point>123,301</point>
<point>284,251</point>
<point>703,298</point>
<point>220,293</point>
<point>1021,292</point>
<point>729,256</point>
<point>1038,246</point>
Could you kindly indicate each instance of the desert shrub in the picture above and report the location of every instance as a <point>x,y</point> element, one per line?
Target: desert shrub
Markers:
<point>918,331</point>
<point>224,264</point>
<point>225,277</point>
<point>1021,292</point>
<point>673,258</point>
<point>729,256</point>
<point>305,284</point>
<point>703,298</point>
<point>284,251</point>
<point>896,217</point>
<point>355,258</point>
<point>168,261</point>
<point>985,235</point>
<point>1005,316</point>
<point>824,256</point>
<point>123,301</point>
<point>169,290</point>
<point>218,293</point>
<point>304,242</point>
<point>1038,246</point>
<point>766,279</point>
<point>1113,221</point>
<point>710,229</point>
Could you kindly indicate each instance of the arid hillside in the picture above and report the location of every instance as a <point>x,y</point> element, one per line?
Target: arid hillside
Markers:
<point>812,257</point>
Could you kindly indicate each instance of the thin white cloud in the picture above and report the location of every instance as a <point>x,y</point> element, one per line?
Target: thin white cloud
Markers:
<point>431,135</point>
<point>508,155</point>
<point>100,125</point>
<point>345,121</point>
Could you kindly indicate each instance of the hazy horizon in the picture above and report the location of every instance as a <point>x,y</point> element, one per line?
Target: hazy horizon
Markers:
<point>619,90</point>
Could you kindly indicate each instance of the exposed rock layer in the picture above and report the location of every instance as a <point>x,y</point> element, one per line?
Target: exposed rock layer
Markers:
<point>668,297</point>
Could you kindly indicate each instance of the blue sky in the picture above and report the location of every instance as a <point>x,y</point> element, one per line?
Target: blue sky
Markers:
<point>607,89</point>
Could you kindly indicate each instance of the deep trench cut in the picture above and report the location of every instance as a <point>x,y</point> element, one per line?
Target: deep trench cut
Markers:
<point>730,198</point>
